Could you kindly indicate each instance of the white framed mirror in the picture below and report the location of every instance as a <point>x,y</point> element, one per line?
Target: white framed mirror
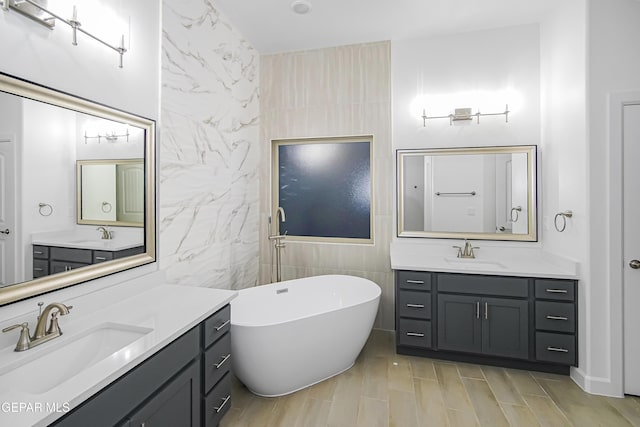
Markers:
<point>43,134</point>
<point>485,193</point>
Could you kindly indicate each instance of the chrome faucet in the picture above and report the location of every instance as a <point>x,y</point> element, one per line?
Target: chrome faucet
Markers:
<point>106,234</point>
<point>42,334</point>
<point>467,250</point>
<point>278,241</point>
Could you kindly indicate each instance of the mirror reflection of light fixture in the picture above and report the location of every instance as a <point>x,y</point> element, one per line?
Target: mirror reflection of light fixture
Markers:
<point>109,137</point>
<point>461,114</point>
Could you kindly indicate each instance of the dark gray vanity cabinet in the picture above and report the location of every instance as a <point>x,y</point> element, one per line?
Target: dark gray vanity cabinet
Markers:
<point>414,309</point>
<point>483,314</point>
<point>185,384</point>
<point>52,259</point>
<point>500,320</point>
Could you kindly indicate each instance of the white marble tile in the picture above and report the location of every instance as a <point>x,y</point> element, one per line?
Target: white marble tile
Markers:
<point>210,152</point>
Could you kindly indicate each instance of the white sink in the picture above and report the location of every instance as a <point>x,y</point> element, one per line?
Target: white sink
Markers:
<point>56,361</point>
<point>474,264</point>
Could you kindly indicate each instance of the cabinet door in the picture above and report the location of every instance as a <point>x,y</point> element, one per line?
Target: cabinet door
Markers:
<point>177,404</point>
<point>505,327</point>
<point>459,324</point>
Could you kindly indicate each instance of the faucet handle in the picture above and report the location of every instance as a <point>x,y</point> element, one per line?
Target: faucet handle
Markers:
<point>24,340</point>
<point>24,326</point>
<point>459,248</point>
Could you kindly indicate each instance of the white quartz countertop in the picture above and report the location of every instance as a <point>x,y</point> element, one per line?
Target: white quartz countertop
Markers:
<point>86,240</point>
<point>490,260</point>
<point>165,312</point>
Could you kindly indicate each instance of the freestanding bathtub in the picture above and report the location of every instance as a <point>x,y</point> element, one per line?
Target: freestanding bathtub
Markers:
<point>289,335</point>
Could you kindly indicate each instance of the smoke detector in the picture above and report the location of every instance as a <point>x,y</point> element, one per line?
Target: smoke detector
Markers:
<point>301,7</point>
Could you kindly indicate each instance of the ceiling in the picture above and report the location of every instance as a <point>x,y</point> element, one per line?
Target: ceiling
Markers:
<point>271,26</point>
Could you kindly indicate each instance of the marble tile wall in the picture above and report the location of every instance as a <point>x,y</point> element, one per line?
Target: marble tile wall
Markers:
<point>209,151</point>
<point>331,92</point>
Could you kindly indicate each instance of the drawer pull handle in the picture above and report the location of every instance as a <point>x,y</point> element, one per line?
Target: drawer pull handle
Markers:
<point>415,305</point>
<point>415,334</point>
<point>100,258</point>
<point>224,359</point>
<point>223,325</point>
<point>37,269</point>
<point>224,402</point>
<point>38,252</point>
<point>556,291</point>
<point>559,350</point>
<point>557,318</point>
<point>416,282</point>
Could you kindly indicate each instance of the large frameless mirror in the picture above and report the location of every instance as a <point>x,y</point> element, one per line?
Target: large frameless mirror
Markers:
<point>484,193</point>
<point>61,224</point>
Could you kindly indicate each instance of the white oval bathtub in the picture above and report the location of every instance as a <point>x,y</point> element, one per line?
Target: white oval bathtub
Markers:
<point>289,335</point>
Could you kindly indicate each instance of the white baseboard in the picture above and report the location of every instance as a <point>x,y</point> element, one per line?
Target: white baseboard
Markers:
<point>595,385</point>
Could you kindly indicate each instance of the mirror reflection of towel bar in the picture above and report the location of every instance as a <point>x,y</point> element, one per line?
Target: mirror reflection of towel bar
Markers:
<point>470,193</point>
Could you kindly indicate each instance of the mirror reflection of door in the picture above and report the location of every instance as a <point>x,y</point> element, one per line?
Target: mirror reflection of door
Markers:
<point>130,192</point>
<point>8,243</point>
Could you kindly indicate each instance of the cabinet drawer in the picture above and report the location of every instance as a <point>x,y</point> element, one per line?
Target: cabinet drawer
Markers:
<point>217,361</point>
<point>61,266</point>
<point>69,254</point>
<point>40,268</point>
<point>562,290</point>
<point>102,256</point>
<point>556,348</point>
<point>40,252</point>
<point>414,304</point>
<point>217,325</point>
<point>217,402</point>
<point>483,285</point>
<point>555,316</point>
<point>418,280</point>
<point>416,333</point>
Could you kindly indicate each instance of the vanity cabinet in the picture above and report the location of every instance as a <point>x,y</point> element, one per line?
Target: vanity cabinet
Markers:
<point>414,306</point>
<point>52,259</point>
<point>184,384</point>
<point>511,321</point>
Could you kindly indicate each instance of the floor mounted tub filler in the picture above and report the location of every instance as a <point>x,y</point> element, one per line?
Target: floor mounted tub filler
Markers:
<point>289,335</point>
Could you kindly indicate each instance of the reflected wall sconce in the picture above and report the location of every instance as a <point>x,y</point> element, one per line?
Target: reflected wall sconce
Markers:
<point>461,114</point>
<point>109,137</point>
<point>37,11</point>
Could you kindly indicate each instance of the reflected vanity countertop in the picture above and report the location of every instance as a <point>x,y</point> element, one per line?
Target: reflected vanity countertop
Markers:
<point>163,313</point>
<point>490,260</point>
<point>85,240</point>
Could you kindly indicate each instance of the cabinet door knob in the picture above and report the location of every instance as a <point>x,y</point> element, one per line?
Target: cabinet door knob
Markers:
<point>635,264</point>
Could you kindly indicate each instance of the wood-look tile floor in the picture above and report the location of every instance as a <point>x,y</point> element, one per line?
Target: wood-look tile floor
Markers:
<point>386,389</point>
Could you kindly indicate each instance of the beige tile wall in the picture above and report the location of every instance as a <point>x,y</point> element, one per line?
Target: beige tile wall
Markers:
<point>331,92</point>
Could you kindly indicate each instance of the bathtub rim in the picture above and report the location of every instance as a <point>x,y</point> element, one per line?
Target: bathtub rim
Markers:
<point>293,319</point>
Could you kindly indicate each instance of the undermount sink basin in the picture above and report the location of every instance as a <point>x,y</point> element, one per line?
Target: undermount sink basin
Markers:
<point>57,361</point>
<point>474,264</point>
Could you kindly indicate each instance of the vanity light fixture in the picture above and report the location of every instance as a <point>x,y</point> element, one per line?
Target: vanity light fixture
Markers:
<point>110,137</point>
<point>465,114</point>
<point>37,10</point>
